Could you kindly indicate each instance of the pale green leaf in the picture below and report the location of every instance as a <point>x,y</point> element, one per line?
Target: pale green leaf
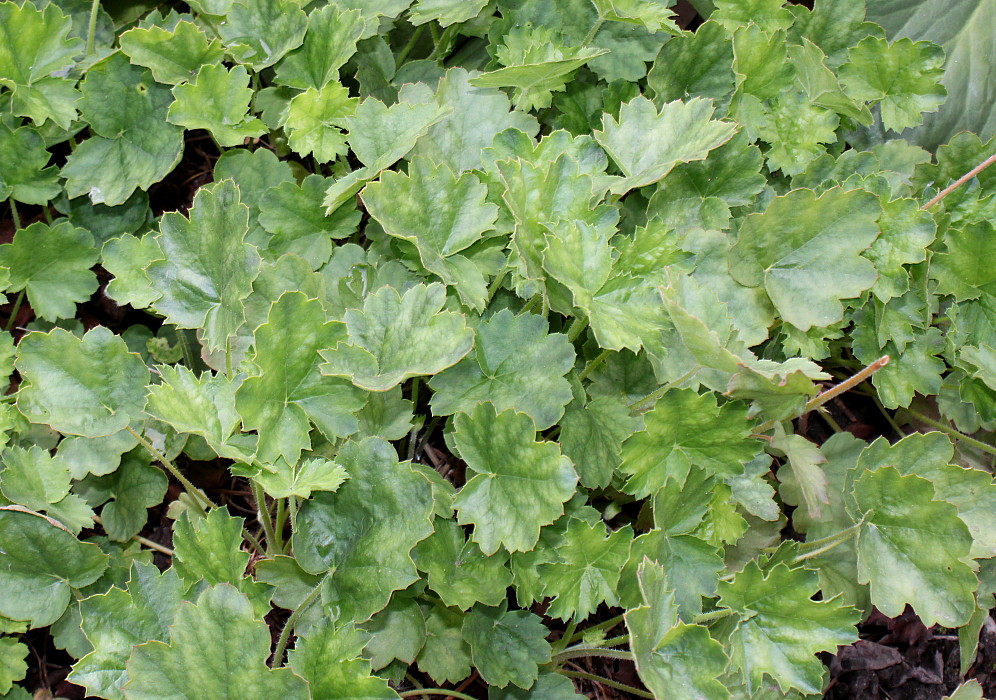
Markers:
<point>692,566</point>
<point>89,386</point>
<point>24,176</point>
<point>12,665</point>
<point>760,61</point>
<point>507,647</point>
<point>446,655</point>
<point>327,658</point>
<point>517,484</point>
<point>173,55</point>
<point>654,16</point>
<point>330,41</point>
<point>130,489</point>
<point>804,459</point>
<point>260,32</point>
<point>126,258</point>
<point>398,632</point>
<point>302,479</point>
<point>647,144</point>
<point>962,268</point>
<point>52,264</point>
<point>906,231</point>
<point>695,64</point>
<point>217,100</point>
<point>314,121</point>
<point>592,436</point>
<point>769,15</point>
<point>445,12</point>
<point>36,480</point>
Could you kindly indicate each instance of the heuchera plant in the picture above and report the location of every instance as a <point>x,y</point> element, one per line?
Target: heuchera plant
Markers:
<point>499,313</point>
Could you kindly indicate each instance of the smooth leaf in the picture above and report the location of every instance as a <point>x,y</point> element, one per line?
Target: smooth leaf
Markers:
<point>507,647</point>
<point>173,55</point>
<point>216,99</point>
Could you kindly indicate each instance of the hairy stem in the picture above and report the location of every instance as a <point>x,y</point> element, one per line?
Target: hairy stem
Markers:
<point>576,328</point>
<point>13,213</point>
<point>264,517</point>
<point>593,31</point>
<point>145,542</point>
<point>641,405</point>
<point>14,310</point>
<point>599,359</point>
<point>711,615</point>
<point>951,432</point>
<point>601,626</point>
<point>587,650</point>
<point>201,501</point>
<point>278,654</point>
<point>602,680</point>
<point>416,35</point>
<point>91,29</point>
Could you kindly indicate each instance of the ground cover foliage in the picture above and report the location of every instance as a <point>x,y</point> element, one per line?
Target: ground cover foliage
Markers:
<point>498,332</point>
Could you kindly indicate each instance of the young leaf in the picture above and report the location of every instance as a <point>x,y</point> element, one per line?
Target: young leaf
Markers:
<point>370,524</point>
<point>217,648</point>
<point>587,571</point>
<point>173,55</point>
<point>329,43</point>
<point>778,628</point>
<point>651,15</point>
<point>217,100</point>
<point>133,145</point>
<point>683,430</point>
<point>507,647</point>
<point>207,267</point>
<point>25,177</point>
<point>126,258</point>
<point>132,488</point>
<point>398,632</point>
<point>458,571</point>
<point>12,665</point>
<point>288,393</point>
<point>644,144</point>
<point>518,484</point>
<point>51,264</point>
<point>260,32</point>
<point>313,121</point>
<point>89,386</point>
<point>785,250</point>
<point>912,549</point>
<point>692,566</point>
<point>40,563</point>
<point>516,364</point>
<point>328,658</point>
<point>302,479</point>
<point>395,337</point>
<point>592,436</point>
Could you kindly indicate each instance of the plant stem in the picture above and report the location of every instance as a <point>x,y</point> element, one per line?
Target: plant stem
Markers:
<point>145,542</point>
<point>808,550</point>
<point>416,35</point>
<point>565,639</point>
<point>637,406</point>
<point>530,304</point>
<point>960,181</point>
<point>413,435</point>
<point>583,650</point>
<point>228,357</point>
<point>92,27</point>
<point>951,432</point>
<point>278,654</point>
<point>253,542</point>
<point>593,31</point>
<point>263,516</point>
<point>712,615</point>
<point>605,625</point>
<point>435,691</point>
<point>13,213</point>
<point>599,359</point>
<point>195,493</point>
<point>48,215</point>
<point>581,675</point>
<point>281,521</point>
<point>13,312</point>
<point>834,391</point>
<point>616,641</point>
<point>496,283</point>
<point>576,327</point>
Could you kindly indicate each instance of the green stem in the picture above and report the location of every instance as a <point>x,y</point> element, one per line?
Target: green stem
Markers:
<point>228,357</point>
<point>92,27</point>
<point>281,523</point>
<point>593,31</point>
<point>278,654</point>
<point>834,391</point>
<point>638,405</point>
<point>48,215</point>
<point>418,692</point>
<point>13,213</point>
<point>413,434</point>
<point>951,432</point>
<point>593,364</point>
<point>587,650</point>
<point>441,43</point>
<point>576,327</point>
<point>142,540</point>
<point>496,283</point>
<point>537,298</point>
<point>616,641</point>
<point>263,516</point>
<point>253,542</point>
<point>185,348</point>
<point>960,181</point>
<point>195,493</point>
<point>601,680</point>
<point>808,550</point>
<point>13,312</point>
<point>416,35</point>
<point>712,615</point>
<point>605,625</point>
<point>565,639</point>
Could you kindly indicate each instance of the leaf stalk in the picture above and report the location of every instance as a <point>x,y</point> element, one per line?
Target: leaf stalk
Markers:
<point>200,500</point>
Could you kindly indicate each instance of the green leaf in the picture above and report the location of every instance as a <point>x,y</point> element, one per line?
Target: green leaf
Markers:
<point>592,436</point>
<point>40,563</point>
<point>446,655</point>
<point>673,659</point>
<point>548,685</point>
<point>778,629</point>
<point>912,549</point>
<point>517,486</point>
<point>209,548</point>
<point>38,481</point>
<point>202,406</point>
<point>132,488</point>
<point>52,264</point>
<point>126,258</point>
<point>654,17</point>
<point>314,119</point>
<point>294,214</point>
<point>902,77</point>
<point>516,364</point>
<point>25,177</point>
<point>684,430</point>
<point>821,85</point>
<point>760,61</point>
<point>586,573</point>
<point>913,369</point>
<point>327,658</point>
<point>207,267</point>
<point>218,648</point>
<point>458,571</point>
<point>804,459</point>
<point>364,532</point>
<point>12,665</point>
<point>963,33</point>
<point>906,231</point>
<point>692,566</point>
<point>796,129</point>
<point>173,55</point>
<point>769,15</point>
<point>961,270</point>
<point>695,64</point>
<point>398,633</point>
<point>445,12</point>
<point>260,32</point>
<point>644,143</point>
<point>116,621</point>
<point>536,64</point>
<point>288,393</point>
<point>133,145</point>
<point>217,100</point>
<point>89,386</point>
<point>329,43</point>
<point>440,214</point>
<point>302,479</point>
<point>785,249</point>
<point>507,647</point>
<point>35,49</point>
